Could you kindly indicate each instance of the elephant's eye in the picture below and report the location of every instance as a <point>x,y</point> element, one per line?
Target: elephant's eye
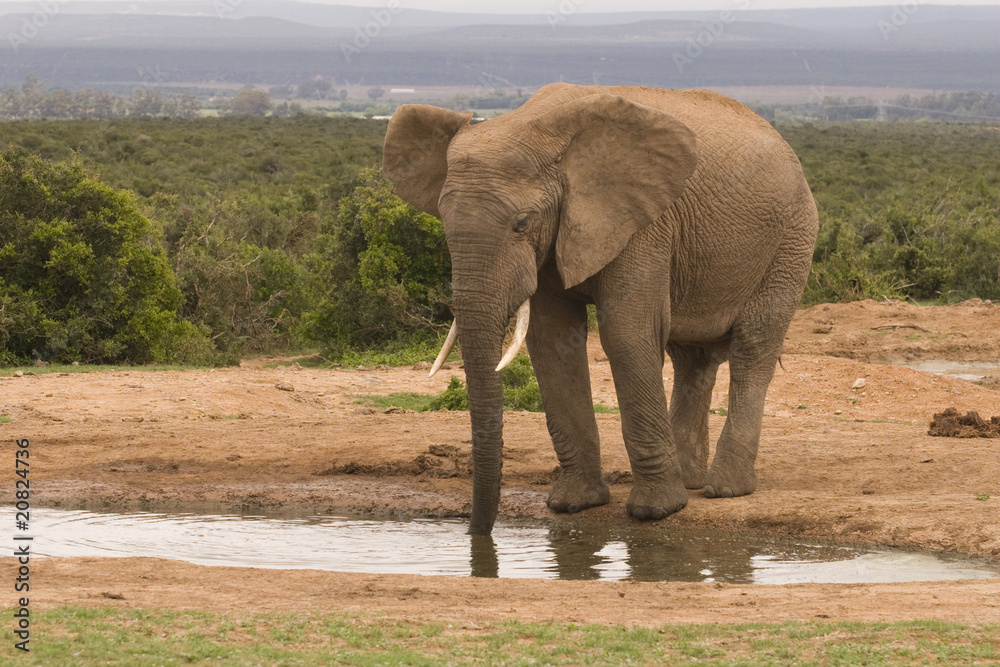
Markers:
<point>520,225</point>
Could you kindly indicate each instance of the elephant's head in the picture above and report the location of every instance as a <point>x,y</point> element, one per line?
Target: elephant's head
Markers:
<point>565,178</point>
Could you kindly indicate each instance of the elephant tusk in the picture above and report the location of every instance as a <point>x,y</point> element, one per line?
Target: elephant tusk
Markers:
<point>520,333</point>
<point>449,343</point>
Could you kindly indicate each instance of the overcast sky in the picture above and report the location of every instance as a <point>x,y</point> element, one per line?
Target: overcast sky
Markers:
<point>542,6</point>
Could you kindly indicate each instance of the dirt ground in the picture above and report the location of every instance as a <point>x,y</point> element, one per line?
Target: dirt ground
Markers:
<point>845,456</point>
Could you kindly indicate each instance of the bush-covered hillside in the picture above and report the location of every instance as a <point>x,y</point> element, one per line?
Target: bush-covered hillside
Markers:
<point>906,209</point>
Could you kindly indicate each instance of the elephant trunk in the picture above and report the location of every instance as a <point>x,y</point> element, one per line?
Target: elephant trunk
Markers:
<point>481,329</point>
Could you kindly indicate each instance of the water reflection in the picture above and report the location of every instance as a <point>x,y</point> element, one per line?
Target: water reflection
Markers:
<point>485,562</point>
<point>565,550</point>
<point>645,553</point>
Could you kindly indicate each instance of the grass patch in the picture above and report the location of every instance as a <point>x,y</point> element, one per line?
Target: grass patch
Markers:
<point>4,419</point>
<point>406,400</point>
<point>95,636</point>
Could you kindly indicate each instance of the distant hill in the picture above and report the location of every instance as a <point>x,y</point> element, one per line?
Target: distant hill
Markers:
<point>265,42</point>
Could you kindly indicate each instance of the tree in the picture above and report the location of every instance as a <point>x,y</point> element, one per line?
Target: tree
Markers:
<point>250,102</point>
<point>386,271</point>
<point>81,275</point>
<point>376,93</point>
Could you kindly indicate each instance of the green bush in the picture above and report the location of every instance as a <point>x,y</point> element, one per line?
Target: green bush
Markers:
<point>455,397</point>
<point>385,272</point>
<point>82,276</point>
<point>520,389</point>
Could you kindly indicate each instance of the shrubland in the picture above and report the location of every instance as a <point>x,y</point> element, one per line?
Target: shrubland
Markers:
<point>244,235</point>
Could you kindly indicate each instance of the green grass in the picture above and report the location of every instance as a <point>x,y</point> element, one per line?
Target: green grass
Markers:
<point>95,636</point>
<point>407,400</point>
<point>4,419</point>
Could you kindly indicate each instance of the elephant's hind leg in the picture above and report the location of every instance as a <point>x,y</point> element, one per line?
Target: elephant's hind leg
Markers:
<point>755,345</point>
<point>695,368</point>
<point>557,341</point>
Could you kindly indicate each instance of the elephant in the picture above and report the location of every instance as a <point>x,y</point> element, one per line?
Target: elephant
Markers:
<point>681,215</point>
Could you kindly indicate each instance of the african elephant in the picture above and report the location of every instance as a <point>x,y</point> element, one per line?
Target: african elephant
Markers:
<point>681,214</point>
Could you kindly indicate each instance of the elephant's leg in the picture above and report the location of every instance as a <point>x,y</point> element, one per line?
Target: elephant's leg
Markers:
<point>695,368</point>
<point>636,357</point>
<point>557,341</point>
<point>755,345</point>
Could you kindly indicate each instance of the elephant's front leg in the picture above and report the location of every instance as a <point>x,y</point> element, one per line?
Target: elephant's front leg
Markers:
<point>636,356</point>
<point>557,341</point>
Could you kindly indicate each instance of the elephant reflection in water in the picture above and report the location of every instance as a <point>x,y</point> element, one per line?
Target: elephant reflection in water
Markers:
<point>580,553</point>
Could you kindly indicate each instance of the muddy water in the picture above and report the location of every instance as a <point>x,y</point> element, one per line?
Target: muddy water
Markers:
<point>436,547</point>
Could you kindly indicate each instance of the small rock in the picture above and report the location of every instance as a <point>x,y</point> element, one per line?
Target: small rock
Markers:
<point>837,412</point>
<point>393,410</point>
<point>112,596</point>
<point>19,374</point>
<point>859,383</point>
<point>75,363</point>
<point>823,329</point>
<point>284,386</point>
<point>422,366</point>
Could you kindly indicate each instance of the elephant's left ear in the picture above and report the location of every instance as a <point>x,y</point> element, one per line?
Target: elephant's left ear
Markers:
<point>624,164</point>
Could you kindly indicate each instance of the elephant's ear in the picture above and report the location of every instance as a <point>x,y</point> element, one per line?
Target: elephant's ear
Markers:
<point>414,156</point>
<point>623,166</point>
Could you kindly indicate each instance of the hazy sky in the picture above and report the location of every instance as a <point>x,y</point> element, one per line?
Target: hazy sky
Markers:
<point>543,6</point>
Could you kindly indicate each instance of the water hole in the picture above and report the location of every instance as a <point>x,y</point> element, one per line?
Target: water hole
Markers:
<point>647,552</point>
<point>973,371</point>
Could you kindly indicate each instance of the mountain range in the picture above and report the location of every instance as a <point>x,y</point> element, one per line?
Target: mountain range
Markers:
<point>270,42</point>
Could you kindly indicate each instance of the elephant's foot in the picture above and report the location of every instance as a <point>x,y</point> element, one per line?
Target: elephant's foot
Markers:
<point>571,493</point>
<point>651,503</point>
<point>728,483</point>
<point>693,473</point>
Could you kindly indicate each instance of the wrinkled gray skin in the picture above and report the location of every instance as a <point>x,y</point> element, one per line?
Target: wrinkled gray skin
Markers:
<point>681,214</point>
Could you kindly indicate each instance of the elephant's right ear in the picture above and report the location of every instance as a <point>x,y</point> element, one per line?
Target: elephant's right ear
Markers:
<point>414,156</point>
